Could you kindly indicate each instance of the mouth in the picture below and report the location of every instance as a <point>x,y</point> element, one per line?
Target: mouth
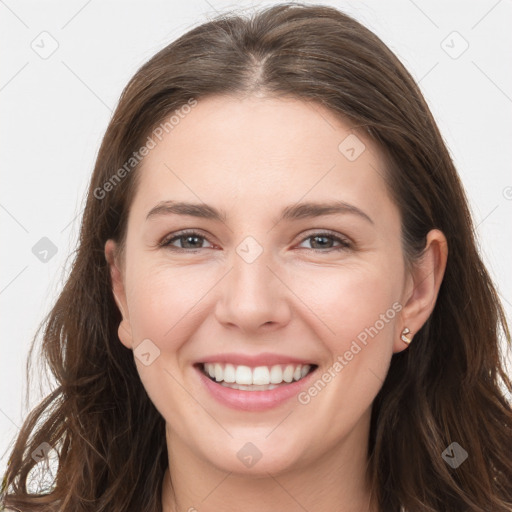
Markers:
<point>258,378</point>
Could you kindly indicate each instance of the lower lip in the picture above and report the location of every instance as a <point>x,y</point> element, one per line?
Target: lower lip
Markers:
<point>253,400</point>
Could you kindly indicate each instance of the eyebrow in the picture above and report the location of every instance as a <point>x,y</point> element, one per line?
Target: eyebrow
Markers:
<point>292,212</point>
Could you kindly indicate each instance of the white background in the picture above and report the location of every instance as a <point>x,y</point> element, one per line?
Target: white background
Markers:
<point>55,111</point>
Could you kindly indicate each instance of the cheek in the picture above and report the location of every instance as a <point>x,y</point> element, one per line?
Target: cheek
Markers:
<point>162,301</point>
<point>360,306</point>
<point>350,300</point>
<point>167,305</point>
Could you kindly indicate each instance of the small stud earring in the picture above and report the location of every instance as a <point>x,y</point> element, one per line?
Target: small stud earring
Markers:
<point>404,337</point>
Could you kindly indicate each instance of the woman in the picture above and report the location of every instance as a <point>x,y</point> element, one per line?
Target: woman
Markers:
<point>277,302</point>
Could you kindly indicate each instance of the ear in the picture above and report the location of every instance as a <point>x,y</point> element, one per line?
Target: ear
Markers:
<point>422,287</point>
<point>118,290</point>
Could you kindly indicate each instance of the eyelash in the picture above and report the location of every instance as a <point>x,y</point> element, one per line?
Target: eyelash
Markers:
<point>345,244</point>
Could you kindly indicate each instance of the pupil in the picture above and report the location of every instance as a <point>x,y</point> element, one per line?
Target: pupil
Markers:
<point>324,238</point>
<point>190,237</point>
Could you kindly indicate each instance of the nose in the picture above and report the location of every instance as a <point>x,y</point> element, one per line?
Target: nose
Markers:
<point>253,297</point>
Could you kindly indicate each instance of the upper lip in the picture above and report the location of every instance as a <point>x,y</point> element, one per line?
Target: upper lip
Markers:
<point>263,359</point>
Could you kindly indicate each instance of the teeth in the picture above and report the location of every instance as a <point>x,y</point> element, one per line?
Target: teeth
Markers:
<point>261,375</point>
<point>243,375</point>
<point>249,388</point>
<point>276,375</point>
<point>288,373</point>
<point>239,377</point>
<point>218,372</point>
<point>229,373</point>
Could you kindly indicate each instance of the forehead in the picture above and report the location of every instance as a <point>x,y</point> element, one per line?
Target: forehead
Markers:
<point>262,151</point>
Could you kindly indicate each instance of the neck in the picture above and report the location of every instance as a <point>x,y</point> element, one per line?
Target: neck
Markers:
<point>335,480</point>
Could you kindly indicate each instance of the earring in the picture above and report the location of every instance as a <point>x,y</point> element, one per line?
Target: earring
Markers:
<point>404,336</point>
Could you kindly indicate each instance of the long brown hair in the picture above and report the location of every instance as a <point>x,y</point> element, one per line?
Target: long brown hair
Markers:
<point>447,386</point>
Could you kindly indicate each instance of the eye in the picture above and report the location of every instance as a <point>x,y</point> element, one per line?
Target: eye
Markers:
<point>189,240</point>
<point>324,241</point>
<point>192,241</point>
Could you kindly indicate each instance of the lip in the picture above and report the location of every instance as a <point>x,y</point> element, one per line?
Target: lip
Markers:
<point>253,400</point>
<point>263,359</point>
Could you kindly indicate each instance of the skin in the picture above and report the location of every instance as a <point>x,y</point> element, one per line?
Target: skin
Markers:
<point>252,157</point>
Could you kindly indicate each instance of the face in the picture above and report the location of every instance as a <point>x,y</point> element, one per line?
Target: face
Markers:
<point>267,290</point>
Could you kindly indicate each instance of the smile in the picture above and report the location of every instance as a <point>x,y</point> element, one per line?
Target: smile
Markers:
<point>254,388</point>
<point>259,378</point>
